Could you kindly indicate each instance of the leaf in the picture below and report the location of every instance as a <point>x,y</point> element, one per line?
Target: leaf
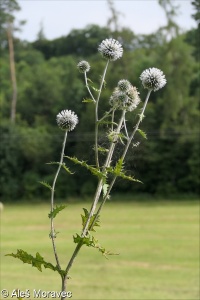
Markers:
<point>105,189</point>
<point>118,171</point>
<point>36,261</point>
<point>85,218</point>
<point>95,89</point>
<point>46,184</point>
<point>83,240</point>
<point>107,122</point>
<point>62,165</point>
<point>90,241</point>
<point>88,101</point>
<point>56,211</point>
<point>102,149</point>
<point>92,169</point>
<point>143,134</point>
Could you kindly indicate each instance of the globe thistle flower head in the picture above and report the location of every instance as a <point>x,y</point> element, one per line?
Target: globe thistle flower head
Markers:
<point>67,120</point>
<point>133,99</point>
<point>83,66</point>
<point>125,100</point>
<point>117,98</point>
<point>111,49</point>
<point>124,85</point>
<point>153,79</point>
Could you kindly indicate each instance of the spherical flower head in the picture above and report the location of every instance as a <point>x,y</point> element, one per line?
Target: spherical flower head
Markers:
<point>111,49</point>
<point>67,120</point>
<point>124,85</point>
<point>83,66</point>
<point>133,99</point>
<point>117,98</point>
<point>125,100</point>
<point>153,79</point>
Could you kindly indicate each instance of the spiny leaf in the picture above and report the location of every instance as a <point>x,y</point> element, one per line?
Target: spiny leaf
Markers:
<point>95,89</point>
<point>88,101</point>
<point>56,210</point>
<point>102,149</point>
<point>119,166</point>
<point>118,171</point>
<point>83,240</point>
<point>101,249</point>
<point>90,241</point>
<point>85,218</point>
<point>92,169</point>
<point>124,176</point>
<point>46,184</point>
<point>62,165</point>
<point>143,134</point>
<point>106,122</point>
<point>105,189</point>
<point>88,79</point>
<point>36,261</point>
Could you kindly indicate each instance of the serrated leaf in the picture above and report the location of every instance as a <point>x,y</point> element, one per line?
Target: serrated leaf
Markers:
<point>143,134</point>
<point>62,165</point>
<point>102,149</point>
<point>56,210</point>
<point>92,169</point>
<point>36,261</point>
<point>105,189</point>
<point>107,122</point>
<point>88,101</point>
<point>118,171</point>
<point>95,89</point>
<point>46,184</point>
<point>83,240</point>
<point>85,218</point>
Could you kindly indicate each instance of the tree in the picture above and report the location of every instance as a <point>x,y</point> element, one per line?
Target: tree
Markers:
<point>8,7</point>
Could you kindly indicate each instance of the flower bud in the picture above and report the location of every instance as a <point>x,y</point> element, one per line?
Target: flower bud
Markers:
<point>83,66</point>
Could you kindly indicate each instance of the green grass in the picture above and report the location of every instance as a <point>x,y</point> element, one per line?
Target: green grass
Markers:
<point>158,244</point>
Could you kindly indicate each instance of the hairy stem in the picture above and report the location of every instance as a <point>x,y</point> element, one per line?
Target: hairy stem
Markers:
<point>88,88</point>
<point>97,115</point>
<point>101,181</point>
<point>123,156</point>
<point>97,196</point>
<point>52,234</point>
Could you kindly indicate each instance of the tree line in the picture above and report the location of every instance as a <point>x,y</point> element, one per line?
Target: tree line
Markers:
<point>48,81</point>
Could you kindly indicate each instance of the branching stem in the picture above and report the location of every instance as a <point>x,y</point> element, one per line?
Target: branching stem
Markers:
<point>52,234</point>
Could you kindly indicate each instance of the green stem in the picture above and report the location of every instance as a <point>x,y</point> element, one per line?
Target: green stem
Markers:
<point>52,235</point>
<point>97,116</point>
<point>101,181</point>
<point>88,88</point>
<point>123,156</point>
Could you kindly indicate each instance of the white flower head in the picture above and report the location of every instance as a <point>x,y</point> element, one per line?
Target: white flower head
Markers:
<point>67,120</point>
<point>83,66</point>
<point>153,79</point>
<point>125,100</point>
<point>124,85</point>
<point>111,49</point>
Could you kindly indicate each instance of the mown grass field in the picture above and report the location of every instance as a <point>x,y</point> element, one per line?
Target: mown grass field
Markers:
<point>158,244</point>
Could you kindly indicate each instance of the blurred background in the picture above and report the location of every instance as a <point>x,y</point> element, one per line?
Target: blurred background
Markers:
<point>41,44</point>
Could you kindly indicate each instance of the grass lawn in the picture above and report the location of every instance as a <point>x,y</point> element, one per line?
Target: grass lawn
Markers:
<point>158,244</point>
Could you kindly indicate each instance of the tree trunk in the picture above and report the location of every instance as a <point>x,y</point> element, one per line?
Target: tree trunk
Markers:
<point>12,73</point>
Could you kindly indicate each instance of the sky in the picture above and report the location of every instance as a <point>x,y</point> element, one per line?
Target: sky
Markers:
<point>59,17</point>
